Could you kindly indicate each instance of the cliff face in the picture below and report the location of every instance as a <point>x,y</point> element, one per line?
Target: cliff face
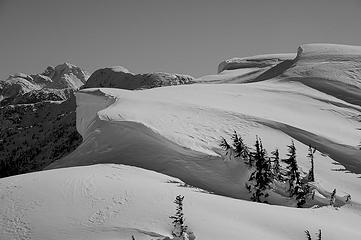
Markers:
<point>37,118</point>
<point>34,135</point>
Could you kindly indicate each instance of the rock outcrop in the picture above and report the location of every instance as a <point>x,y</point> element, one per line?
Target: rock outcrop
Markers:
<point>120,77</point>
<point>37,118</point>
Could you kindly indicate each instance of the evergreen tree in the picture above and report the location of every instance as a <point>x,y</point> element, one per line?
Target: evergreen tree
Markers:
<point>241,149</point>
<point>301,192</point>
<point>293,174</point>
<point>224,144</point>
<point>261,178</point>
<point>319,235</point>
<point>308,235</point>
<point>311,174</point>
<point>178,219</point>
<point>276,168</point>
<point>332,198</point>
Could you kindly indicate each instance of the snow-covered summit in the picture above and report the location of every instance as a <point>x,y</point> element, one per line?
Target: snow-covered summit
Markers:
<point>63,76</point>
<point>330,68</point>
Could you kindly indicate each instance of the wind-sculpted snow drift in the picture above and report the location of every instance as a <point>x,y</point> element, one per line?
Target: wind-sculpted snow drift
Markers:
<point>311,98</point>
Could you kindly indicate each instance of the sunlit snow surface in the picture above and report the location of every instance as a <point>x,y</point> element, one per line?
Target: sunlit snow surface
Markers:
<point>176,131</point>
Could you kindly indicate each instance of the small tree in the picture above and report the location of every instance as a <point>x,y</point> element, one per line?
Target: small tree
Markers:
<point>261,178</point>
<point>308,235</point>
<point>293,174</point>
<point>241,149</point>
<point>178,219</point>
<point>332,198</point>
<point>311,174</point>
<point>319,235</point>
<point>301,192</point>
<point>276,168</point>
<point>224,144</point>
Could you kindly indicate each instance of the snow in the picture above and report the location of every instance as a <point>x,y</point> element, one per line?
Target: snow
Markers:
<point>255,61</point>
<point>116,201</point>
<point>171,134</point>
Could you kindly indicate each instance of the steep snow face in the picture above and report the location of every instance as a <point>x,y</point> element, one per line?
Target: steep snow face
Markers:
<point>120,77</point>
<point>241,70</point>
<point>118,202</point>
<point>259,61</point>
<point>330,68</point>
<point>335,69</point>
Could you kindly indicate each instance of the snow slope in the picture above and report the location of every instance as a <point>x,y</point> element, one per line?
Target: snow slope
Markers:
<point>111,202</point>
<point>176,131</point>
<point>331,68</point>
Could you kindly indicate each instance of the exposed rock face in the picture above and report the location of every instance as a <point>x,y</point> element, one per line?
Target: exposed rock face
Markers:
<point>37,118</point>
<point>120,77</point>
<point>34,135</point>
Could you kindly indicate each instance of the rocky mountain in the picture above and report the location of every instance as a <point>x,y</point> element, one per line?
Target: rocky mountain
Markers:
<point>120,77</point>
<point>48,85</point>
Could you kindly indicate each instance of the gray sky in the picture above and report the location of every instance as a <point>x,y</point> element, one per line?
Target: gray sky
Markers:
<point>180,36</point>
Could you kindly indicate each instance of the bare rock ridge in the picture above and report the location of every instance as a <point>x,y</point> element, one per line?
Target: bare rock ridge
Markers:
<point>120,77</point>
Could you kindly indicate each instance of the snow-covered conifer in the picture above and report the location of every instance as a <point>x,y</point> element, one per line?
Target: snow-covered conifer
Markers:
<point>261,178</point>
<point>178,219</point>
<point>310,155</point>
<point>276,168</point>
<point>293,174</point>
<point>241,149</point>
<point>332,198</point>
<point>224,144</point>
<point>319,235</point>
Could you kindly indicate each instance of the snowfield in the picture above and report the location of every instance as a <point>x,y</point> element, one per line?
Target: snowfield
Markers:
<point>148,142</point>
<point>116,201</point>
